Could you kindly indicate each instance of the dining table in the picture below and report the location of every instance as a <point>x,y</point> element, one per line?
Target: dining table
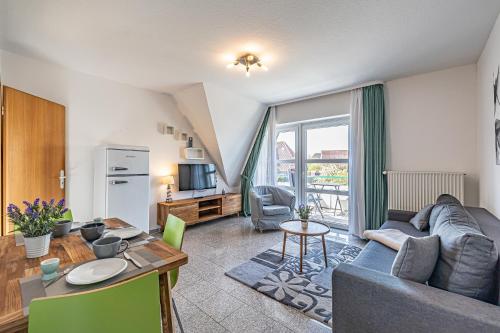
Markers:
<point>73,250</point>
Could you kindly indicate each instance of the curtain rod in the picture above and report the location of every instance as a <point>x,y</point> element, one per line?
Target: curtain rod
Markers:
<point>325,93</point>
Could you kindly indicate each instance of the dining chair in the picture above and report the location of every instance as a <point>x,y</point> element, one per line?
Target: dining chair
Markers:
<point>173,235</point>
<point>127,307</point>
<point>68,215</point>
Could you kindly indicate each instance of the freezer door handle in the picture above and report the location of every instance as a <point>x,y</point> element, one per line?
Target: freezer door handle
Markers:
<point>117,182</point>
<point>117,168</point>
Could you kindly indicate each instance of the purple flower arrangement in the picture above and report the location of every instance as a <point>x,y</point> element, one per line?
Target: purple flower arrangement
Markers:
<point>38,218</point>
<point>304,211</point>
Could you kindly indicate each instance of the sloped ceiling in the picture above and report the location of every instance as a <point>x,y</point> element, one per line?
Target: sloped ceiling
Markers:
<point>192,102</point>
<point>225,122</point>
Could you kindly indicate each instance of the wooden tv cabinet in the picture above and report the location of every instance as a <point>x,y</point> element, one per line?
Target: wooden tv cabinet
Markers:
<point>199,210</point>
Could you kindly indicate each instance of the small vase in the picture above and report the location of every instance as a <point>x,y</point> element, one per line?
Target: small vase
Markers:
<point>304,223</point>
<point>37,246</point>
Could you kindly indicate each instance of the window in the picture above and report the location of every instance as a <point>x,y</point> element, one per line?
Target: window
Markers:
<point>313,161</point>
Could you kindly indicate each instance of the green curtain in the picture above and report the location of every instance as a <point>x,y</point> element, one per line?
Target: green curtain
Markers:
<point>249,171</point>
<point>374,140</point>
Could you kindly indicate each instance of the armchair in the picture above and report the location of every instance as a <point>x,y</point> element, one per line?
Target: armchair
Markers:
<point>270,216</point>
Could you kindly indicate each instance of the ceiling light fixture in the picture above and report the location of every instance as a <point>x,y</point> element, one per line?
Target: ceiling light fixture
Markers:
<point>247,60</point>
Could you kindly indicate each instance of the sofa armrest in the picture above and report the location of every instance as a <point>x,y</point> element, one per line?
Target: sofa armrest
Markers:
<point>400,215</point>
<point>365,300</point>
<point>256,205</point>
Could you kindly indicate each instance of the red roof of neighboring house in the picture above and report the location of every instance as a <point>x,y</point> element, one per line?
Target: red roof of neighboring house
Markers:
<point>284,152</point>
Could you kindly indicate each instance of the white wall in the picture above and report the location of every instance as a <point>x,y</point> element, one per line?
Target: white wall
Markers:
<point>431,124</point>
<point>100,111</point>
<point>487,67</point>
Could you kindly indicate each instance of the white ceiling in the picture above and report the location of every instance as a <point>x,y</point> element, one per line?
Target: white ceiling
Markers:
<point>314,46</point>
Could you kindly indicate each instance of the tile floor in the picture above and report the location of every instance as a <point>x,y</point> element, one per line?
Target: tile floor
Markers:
<point>209,301</point>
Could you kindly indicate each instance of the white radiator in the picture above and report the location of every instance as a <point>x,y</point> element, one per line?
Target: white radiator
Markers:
<point>412,190</point>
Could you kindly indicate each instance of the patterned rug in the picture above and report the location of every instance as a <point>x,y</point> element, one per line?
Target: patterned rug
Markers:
<point>310,292</point>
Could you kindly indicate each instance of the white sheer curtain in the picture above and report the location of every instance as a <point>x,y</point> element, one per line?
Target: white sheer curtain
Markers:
<point>356,166</point>
<point>265,171</point>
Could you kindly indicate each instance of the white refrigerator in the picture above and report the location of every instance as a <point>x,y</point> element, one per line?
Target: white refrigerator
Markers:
<point>121,184</point>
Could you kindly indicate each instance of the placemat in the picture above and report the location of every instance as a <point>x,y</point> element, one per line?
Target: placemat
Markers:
<point>139,240</point>
<point>33,286</point>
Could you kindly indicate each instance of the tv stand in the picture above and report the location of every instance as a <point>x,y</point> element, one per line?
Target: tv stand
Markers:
<point>202,209</point>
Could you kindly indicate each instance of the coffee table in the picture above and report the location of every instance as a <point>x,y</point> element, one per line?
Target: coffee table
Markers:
<point>294,227</point>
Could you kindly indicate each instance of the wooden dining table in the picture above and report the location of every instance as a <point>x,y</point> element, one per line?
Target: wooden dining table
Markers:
<point>71,250</point>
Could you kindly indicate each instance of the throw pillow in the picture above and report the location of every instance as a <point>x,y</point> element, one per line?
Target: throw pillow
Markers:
<point>267,199</point>
<point>421,220</point>
<point>468,259</point>
<point>416,258</point>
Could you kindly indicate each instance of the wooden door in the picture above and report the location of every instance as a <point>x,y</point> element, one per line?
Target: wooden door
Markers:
<point>33,147</point>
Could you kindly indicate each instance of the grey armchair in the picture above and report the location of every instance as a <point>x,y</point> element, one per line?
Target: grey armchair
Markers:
<point>270,216</point>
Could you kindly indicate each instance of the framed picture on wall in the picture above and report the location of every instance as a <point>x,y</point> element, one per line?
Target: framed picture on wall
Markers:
<point>496,104</point>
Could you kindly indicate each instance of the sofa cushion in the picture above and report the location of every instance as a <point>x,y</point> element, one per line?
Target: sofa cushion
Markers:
<point>376,256</point>
<point>272,210</point>
<point>416,258</point>
<point>379,257</point>
<point>405,227</point>
<point>468,259</point>
<point>267,199</point>
<point>441,201</point>
<point>490,226</point>
<point>421,220</point>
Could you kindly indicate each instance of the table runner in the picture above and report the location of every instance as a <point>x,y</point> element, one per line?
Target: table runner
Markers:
<point>33,287</point>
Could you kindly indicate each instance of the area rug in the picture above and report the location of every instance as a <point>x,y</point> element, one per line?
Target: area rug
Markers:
<point>309,292</point>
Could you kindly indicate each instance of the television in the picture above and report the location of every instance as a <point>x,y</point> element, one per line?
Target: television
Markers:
<point>196,177</point>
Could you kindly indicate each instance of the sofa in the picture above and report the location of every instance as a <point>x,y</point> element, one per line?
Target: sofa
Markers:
<point>270,205</point>
<point>367,298</point>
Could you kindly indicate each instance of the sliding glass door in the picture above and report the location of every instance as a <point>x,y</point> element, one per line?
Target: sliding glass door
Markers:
<point>312,161</point>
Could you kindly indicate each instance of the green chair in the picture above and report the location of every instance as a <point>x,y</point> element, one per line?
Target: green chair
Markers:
<point>173,235</point>
<point>68,215</point>
<point>131,306</point>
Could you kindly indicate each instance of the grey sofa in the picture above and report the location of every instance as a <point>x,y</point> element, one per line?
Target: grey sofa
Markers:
<point>269,217</point>
<point>367,298</point>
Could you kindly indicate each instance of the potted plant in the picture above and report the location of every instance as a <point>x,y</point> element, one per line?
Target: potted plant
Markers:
<point>304,212</point>
<point>36,224</point>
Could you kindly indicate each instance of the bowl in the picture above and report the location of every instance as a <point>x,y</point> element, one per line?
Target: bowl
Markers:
<point>92,231</point>
<point>49,268</point>
<point>62,228</point>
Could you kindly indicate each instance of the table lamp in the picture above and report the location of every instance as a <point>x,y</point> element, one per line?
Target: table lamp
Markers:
<point>169,181</point>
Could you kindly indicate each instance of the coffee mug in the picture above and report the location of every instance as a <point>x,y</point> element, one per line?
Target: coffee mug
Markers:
<point>108,247</point>
<point>92,231</point>
<point>49,268</point>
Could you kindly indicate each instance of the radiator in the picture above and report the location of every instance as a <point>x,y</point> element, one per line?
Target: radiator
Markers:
<point>409,190</point>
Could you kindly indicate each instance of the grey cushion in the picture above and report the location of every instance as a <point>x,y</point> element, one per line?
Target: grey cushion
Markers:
<point>275,210</point>
<point>445,199</point>
<point>468,259</point>
<point>441,201</point>
<point>421,220</point>
<point>416,258</point>
<point>267,199</point>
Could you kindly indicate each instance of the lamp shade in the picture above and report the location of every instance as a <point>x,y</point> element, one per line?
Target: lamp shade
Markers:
<point>168,180</point>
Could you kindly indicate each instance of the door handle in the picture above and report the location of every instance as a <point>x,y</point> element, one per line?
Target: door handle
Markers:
<point>62,179</point>
<point>119,168</point>
<point>117,182</point>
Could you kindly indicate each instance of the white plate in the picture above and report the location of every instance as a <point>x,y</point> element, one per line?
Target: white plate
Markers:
<point>96,271</point>
<point>124,233</point>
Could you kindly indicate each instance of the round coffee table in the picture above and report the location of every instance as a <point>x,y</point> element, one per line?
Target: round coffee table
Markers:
<point>294,227</point>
